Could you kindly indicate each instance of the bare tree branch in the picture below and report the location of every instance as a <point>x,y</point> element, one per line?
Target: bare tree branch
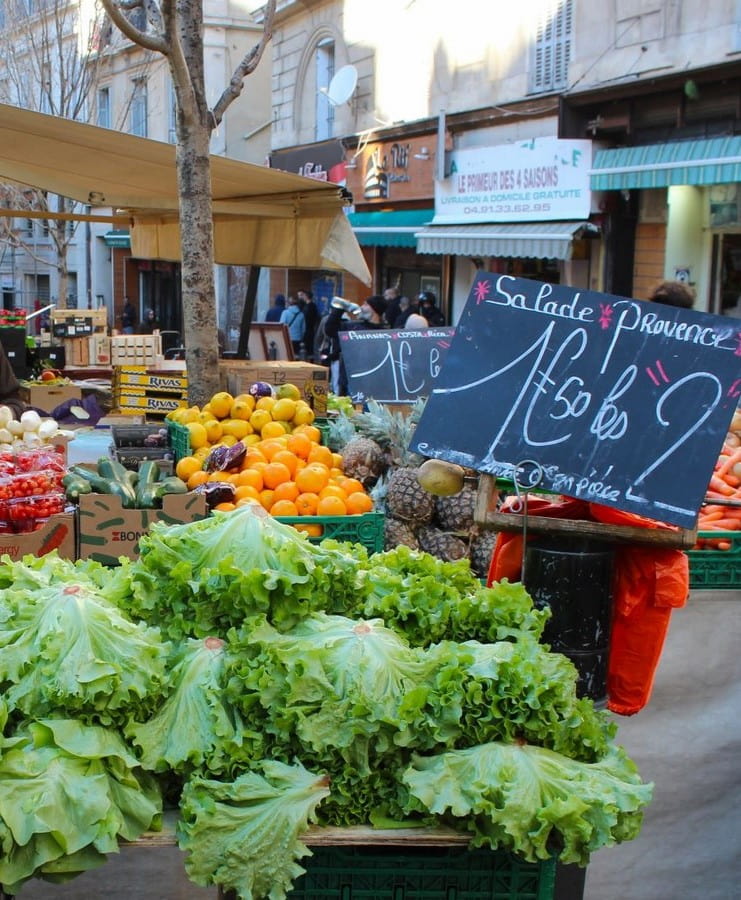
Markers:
<point>245,67</point>
<point>156,42</point>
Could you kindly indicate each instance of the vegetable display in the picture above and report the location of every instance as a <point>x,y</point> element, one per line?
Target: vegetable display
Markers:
<point>137,490</point>
<point>269,682</point>
<point>721,511</point>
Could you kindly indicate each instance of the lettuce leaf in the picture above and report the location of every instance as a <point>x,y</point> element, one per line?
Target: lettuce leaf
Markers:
<point>68,791</point>
<point>244,835</point>
<point>204,577</point>
<point>196,725</point>
<point>532,801</point>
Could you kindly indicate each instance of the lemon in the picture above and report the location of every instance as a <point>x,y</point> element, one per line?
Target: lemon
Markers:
<point>198,435</point>
<point>266,403</point>
<point>243,407</point>
<point>284,409</point>
<point>304,414</point>
<point>288,391</point>
<point>213,430</point>
<point>238,428</point>
<point>260,418</point>
<point>221,404</point>
<point>272,429</point>
<point>189,415</point>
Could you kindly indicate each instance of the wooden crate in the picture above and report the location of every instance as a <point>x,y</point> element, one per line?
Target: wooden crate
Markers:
<point>136,349</point>
<point>72,323</point>
<point>76,351</point>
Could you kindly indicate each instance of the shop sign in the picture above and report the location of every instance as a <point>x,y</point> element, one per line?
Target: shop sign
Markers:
<point>610,400</point>
<point>543,179</point>
<point>324,161</point>
<point>397,170</point>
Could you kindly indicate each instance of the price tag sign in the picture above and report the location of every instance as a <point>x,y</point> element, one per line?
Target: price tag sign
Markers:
<point>393,366</point>
<point>620,402</point>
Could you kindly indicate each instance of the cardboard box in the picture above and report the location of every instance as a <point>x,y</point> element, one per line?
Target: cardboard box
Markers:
<point>107,531</point>
<point>58,533</point>
<point>236,375</point>
<point>49,397</point>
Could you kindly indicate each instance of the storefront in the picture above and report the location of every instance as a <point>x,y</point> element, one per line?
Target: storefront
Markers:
<point>523,208</point>
<point>689,191</point>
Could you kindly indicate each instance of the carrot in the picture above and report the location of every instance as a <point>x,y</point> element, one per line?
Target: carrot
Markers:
<point>728,463</point>
<point>722,525</point>
<point>717,484</point>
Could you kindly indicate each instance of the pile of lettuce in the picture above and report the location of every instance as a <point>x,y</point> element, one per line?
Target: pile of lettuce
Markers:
<point>266,683</point>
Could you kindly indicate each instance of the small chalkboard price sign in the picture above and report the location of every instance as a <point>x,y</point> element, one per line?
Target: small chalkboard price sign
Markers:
<point>620,402</point>
<point>393,366</point>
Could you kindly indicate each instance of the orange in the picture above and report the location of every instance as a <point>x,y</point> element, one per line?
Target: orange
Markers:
<point>333,490</point>
<point>299,444</point>
<point>253,455</point>
<point>187,466</point>
<point>266,499</point>
<point>306,503</point>
<point>336,475</point>
<point>337,460</point>
<point>351,486</point>
<point>270,447</point>
<point>284,508</point>
<point>250,478</point>
<point>287,490</point>
<point>359,502</point>
<point>275,473</point>
<point>321,454</point>
<point>221,404</point>
<point>247,501</point>
<point>199,477</point>
<point>312,478</point>
<point>311,529</point>
<point>331,506</point>
<point>287,458</point>
<point>247,492</point>
<point>311,432</point>
<point>226,506</point>
<point>218,476</point>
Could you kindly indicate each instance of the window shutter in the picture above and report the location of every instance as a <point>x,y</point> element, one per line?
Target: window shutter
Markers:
<point>552,46</point>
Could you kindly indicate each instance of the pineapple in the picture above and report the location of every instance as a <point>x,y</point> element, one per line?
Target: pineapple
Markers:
<point>406,499</point>
<point>481,550</point>
<point>363,459</point>
<point>442,544</point>
<point>455,513</point>
<point>397,532</point>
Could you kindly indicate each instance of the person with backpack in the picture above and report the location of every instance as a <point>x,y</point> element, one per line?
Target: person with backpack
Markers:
<point>293,317</point>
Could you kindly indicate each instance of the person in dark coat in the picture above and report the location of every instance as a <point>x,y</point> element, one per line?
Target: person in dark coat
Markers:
<point>276,310</point>
<point>346,316</point>
<point>428,308</point>
<point>151,323</point>
<point>392,296</point>
<point>311,317</point>
<point>128,317</point>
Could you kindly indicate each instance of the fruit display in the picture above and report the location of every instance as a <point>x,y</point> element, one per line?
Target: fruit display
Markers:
<point>30,488</point>
<point>429,504</point>
<point>264,448</point>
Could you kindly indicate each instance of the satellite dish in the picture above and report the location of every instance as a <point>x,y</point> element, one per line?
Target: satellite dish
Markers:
<point>342,86</point>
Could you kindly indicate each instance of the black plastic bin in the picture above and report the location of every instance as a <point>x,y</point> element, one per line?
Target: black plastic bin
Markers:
<point>574,578</point>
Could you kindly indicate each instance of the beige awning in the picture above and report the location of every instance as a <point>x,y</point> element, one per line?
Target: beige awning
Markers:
<point>262,216</point>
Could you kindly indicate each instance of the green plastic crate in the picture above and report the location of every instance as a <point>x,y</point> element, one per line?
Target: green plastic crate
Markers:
<point>716,569</point>
<point>422,873</point>
<point>178,438</point>
<point>366,529</point>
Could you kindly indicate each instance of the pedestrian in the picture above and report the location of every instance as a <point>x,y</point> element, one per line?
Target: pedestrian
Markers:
<point>392,296</point>
<point>294,319</point>
<point>428,308</point>
<point>9,387</point>
<point>311,317</point>
<point>416,322</point>
<point>151,323</point>
<point>673,293</point>
<point>276,310</point>
<point>128,317</point>
<point>346,316</point>
<point>405,310</point>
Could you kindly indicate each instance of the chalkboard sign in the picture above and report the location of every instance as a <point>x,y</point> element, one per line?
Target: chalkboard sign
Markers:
<point>393,366</point>
<point>618,401</point>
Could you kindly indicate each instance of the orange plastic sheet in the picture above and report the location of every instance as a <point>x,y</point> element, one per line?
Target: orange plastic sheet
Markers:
<point>648,584</point>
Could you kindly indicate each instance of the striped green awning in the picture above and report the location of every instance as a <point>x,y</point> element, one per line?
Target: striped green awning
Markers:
<point>524,240</point>
<point>714,161</point>
<point>389,228</point>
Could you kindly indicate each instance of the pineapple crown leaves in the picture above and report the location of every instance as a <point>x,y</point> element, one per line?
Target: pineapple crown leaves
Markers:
<point>391,430</point>
<point>341,431</point>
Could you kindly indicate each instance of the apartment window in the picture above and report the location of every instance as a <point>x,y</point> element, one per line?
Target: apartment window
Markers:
<point>324,60</point>
<point>552,46</point>
<point>139,108</point>
<point>104,107</point>
<point>72,290</point>
<point>172,128</point>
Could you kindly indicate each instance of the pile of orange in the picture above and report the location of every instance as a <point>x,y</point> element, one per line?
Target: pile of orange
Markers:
<point>289,474</point>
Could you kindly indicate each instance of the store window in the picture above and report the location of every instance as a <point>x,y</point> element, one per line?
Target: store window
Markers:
<point>551,46</point>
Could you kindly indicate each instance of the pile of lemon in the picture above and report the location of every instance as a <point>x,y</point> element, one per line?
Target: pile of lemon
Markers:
<point>226,419</point>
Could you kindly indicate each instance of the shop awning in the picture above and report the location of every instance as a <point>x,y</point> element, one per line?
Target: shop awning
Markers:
<point>117,237</point>
<point>713,161</point>
<point>389,228</point>
<point>538,240</point>
<point>261,216</point>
